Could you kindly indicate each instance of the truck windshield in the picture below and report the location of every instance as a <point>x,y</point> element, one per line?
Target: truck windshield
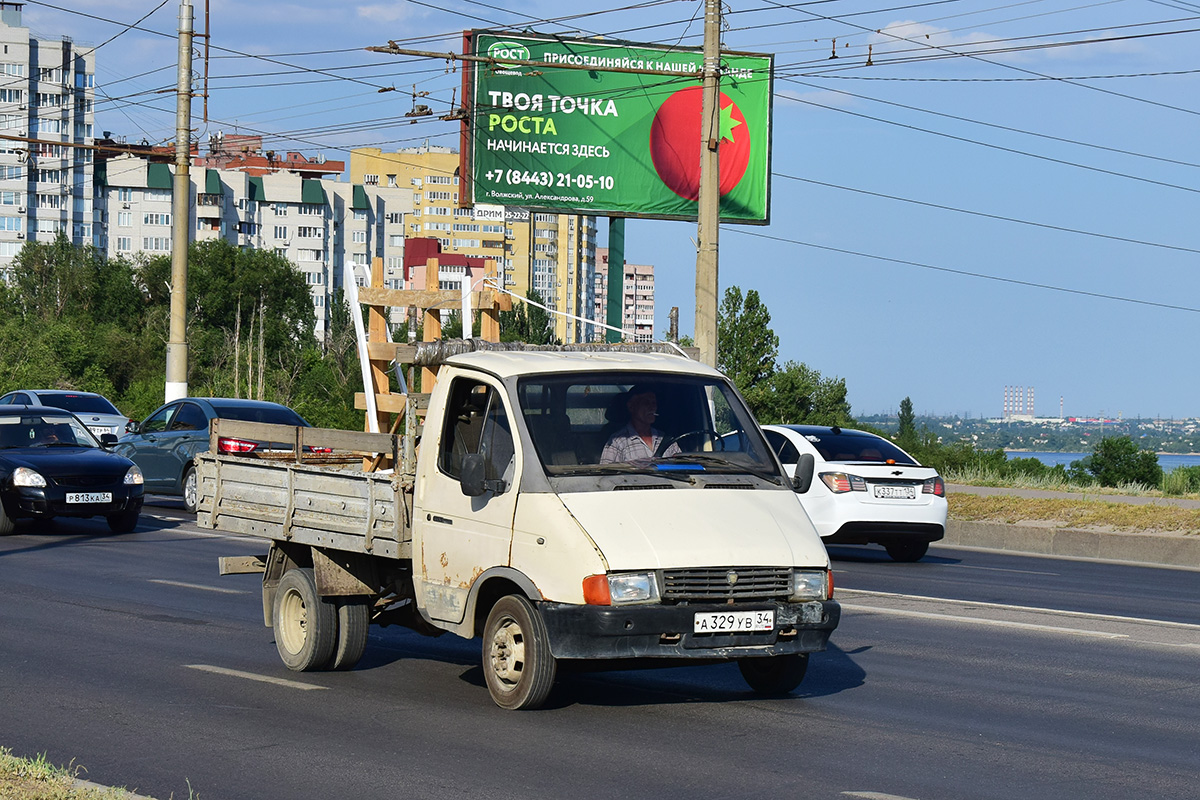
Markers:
<point>630,422</point>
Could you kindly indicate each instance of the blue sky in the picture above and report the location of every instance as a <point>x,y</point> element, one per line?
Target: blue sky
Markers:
<point>927,210</point>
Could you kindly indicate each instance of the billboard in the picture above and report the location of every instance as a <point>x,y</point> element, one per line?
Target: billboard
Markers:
<point>605,139</point>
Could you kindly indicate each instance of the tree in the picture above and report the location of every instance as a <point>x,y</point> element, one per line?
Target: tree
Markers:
<point>1117,461</point>
<point>746,345</point>
<point>796,394</point>
<point>527,322</point>
<point>907,435</point>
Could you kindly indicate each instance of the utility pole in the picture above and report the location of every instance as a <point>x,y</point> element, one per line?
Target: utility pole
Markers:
<point>708,217</point>
<point>177,350</point>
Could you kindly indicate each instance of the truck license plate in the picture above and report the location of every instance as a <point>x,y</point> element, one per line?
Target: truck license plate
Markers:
<point>896,492</point>
<point>733,621</point>
<point>89,497</point>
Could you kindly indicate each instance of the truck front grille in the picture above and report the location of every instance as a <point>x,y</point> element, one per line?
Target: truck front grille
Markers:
<point>727,583</point>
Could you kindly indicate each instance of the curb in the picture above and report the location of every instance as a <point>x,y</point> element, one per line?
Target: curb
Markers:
<point>1130,548</point>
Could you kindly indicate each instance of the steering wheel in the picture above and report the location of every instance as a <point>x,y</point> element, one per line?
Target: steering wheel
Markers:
<point>670,440</point>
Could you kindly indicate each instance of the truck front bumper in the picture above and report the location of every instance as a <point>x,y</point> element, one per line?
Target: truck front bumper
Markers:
<point>662,631</point>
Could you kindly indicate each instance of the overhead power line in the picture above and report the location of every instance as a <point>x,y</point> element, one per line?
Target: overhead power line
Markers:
<point>963,272</point>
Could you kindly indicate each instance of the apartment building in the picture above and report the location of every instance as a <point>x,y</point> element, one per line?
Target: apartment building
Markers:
<point>47,93</point>
<point>637,300</point>
<point>554,254</point>
<point>318,224</point>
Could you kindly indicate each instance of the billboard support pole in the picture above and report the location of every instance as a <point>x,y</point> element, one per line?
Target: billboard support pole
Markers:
<point>614,310</point>
<point>708,213</point>
<point>177,348</point>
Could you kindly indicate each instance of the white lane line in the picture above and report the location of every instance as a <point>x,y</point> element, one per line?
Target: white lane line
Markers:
<point>1032,609</point>
<point>999,623</point>
<point>233,673</point>
<point>875,796</point>
<point>197,586</point>
<point>1003,569</point>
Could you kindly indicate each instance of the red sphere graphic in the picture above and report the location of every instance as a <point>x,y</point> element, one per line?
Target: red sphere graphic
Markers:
<point>675,142</point>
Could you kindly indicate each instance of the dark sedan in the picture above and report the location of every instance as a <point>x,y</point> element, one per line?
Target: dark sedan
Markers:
<point>52,466</point>
<point>165,443</point>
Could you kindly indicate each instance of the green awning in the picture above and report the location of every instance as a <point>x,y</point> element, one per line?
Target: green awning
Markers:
<point>158,176</point>
<point>255,190</point>
<point>311,192</point>
<point>212,182</point>
<point>359,202</point>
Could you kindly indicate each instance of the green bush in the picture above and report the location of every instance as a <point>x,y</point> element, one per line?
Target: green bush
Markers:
<point>1117,461</point>
<point>1182,480</point>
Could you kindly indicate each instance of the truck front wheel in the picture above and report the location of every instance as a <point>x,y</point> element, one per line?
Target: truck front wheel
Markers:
<point>774,675</point>
<point>305,625</point>
<point>517,661</point>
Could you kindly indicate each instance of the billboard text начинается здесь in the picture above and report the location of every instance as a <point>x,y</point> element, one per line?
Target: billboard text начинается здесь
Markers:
<point>605,142</point>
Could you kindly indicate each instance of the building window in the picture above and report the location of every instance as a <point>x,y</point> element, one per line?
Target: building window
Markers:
<point>391,181</point>
<point>310,232</point>
<point>124,244</point>
<point>311,210</point>
<point>159,243</point>
<point>156,219</point>
<point>124,195</point>
<point>124,219</point>
<point>359,237</point>
<point>281,209</point>
<point>370,180</point>
<point>281,232</point>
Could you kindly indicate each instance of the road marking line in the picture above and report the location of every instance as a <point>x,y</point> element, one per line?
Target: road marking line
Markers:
<point>308,687</point>
<point>980,621</point>
<point>1034,609</point>
<point>183,585</point>
<point>876,796</point>
<point>1003,569</point>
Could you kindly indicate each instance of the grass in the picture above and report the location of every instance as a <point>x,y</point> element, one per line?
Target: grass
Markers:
<point>974,476</point>
<point>1142,518</point>
<point>38,779</point>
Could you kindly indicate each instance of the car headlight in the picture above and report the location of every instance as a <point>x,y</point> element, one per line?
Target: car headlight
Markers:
<point>811,584</point>
<point>24,476</point>
<point>134,476</point>
<point>623,588</point>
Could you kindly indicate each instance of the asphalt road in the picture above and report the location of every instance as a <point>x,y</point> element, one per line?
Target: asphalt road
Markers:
<point>968,675</point>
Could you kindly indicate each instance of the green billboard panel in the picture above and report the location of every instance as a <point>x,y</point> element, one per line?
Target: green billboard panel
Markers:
<point>585,129</point>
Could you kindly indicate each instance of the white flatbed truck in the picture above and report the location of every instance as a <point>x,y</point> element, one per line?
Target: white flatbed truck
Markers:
<point>503,521</point>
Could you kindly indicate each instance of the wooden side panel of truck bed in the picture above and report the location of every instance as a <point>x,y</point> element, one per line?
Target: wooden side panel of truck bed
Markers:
<point>322,506</point>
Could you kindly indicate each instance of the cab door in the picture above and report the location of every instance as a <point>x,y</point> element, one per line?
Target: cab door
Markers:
<point>457,537</point>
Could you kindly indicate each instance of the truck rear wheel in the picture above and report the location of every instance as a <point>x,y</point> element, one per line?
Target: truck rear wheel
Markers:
<point>353,620</point>
<point>305,625</point>
<point>774,675</point>
<point>517,661</point>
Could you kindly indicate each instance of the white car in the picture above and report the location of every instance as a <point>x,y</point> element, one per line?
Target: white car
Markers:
<point>864,489</point>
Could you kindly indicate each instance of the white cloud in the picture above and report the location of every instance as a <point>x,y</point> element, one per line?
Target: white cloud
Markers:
<point>384,12</point>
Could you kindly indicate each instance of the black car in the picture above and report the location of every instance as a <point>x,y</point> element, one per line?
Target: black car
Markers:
<point>52,466</point>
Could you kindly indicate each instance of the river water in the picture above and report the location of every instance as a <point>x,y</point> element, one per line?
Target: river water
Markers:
<point>1168,461</point>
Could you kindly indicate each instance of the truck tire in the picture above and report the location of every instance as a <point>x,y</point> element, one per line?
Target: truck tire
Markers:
<point>517,662</point>
<point>305,625</point>
<point>774,675</point>
<point>123,521</point>
<point>6,522</point>
<point>353,620</point>
<point>907,551</point>
<point>191,491</point>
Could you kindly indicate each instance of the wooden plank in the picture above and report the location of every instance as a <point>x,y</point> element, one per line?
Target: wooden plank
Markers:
<point>378,296</point>
<point>390,403</point>
<point>310,437</point>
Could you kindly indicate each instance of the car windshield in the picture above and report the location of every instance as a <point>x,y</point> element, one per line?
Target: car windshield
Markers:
<point>276,415</point>
<point>671,425</point>
<point>856,446</point>
<point>44,430</point>
<point>78,403</point>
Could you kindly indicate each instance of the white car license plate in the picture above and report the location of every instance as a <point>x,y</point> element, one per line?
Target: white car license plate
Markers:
<point>89,497</point>
<point>97,430</point>
<point>733,621</point>
<point>897,492</point>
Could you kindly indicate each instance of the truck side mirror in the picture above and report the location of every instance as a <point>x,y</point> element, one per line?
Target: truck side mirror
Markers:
<point>804,473</point>
<point>472,477</point>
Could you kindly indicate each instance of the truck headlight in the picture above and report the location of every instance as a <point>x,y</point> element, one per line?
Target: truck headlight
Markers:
<point>810,584</point>
<point>619,589</point>
<point>134,476</point>
<point>24,476</point>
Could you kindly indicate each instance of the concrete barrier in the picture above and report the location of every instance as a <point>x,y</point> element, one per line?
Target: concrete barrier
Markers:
<point>1173,550</point>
